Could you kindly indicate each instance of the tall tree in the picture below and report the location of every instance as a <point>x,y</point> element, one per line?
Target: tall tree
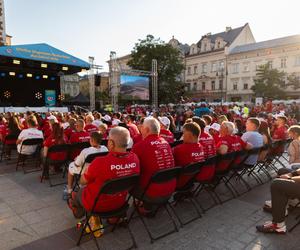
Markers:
<point>269,82</point>
<point>294,81</point>
<point>169,66</point>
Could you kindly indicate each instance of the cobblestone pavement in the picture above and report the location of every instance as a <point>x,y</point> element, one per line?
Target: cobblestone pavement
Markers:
<point>34,216</point>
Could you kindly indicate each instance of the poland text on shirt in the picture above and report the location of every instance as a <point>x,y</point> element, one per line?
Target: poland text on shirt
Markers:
<point>123,166</point>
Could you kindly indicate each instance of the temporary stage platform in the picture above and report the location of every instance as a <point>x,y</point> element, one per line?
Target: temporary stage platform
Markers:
<point>30,74</point>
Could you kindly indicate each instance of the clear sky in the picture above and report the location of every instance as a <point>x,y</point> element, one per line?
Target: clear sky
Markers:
<point>95,27</point>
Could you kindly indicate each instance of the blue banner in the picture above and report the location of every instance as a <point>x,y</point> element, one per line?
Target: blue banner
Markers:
<point>42,52</point>
<point>50,98</point>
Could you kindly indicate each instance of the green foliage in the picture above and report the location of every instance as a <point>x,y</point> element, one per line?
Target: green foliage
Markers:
<point>293,81</point>
<point>269,82</point>
<point>169,66</point>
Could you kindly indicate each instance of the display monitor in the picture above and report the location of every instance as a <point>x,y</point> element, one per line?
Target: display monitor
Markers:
<point>134,87</point>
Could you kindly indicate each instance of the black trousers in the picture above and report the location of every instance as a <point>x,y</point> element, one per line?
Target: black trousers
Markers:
<point>281,191</point>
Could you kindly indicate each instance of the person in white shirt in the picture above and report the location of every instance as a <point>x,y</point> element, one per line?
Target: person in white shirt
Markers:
<point>31,133</point>
<point>97,122</point>
<point>76,166</point>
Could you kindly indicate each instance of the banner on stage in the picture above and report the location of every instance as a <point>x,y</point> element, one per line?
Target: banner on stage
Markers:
<point>50,98</point>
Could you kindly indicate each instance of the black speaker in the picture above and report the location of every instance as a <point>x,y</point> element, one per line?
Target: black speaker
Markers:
<point>97,80</point>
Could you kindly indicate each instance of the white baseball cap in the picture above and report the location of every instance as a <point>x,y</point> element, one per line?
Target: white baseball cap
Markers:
<point>107,118</point>
<point>164,120</point>
<point>52,117</point>
<point>215,126</point>
<point>115,122</point>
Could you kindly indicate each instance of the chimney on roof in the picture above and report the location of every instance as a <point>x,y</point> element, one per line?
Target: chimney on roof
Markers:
<point>208,34</point>
<point>228,28</point>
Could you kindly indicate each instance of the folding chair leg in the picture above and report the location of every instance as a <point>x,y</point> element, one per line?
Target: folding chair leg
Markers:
<point>190,220</point>
<point>87,224</point>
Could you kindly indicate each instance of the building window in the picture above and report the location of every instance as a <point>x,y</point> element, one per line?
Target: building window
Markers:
<point>235,86</point>
<point>203,85</point>
<point>235,68</point>
<point>220,84</point>
<point>213,87</point>
<point>205,47</point>
<point>195,70</point>
<point>283,63</point>
<point>245,85</point>
<point>195,86</point>
<point>246,67</point>
<point>221,65</point>
<point>297,61</point>
<point>213,67</point>
<point>189,70</point>
<point>204,68</point>
<point>270,63</point>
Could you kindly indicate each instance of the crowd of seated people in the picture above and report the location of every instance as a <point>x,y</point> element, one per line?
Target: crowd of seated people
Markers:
<point>143,144</point>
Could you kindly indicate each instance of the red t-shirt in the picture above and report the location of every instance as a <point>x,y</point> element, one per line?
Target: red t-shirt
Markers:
<point>133,130</point>
<point>209,146</point>
<point>50,141</point>
<point>68,132</point>
<point>234,144</point>
<point>76,137</point>
<point>280,133</point>
<point>91,128</point>
<point>10,142</point>
<point>155,154</point>
<point>81,136</point>
<point>167,135</point>
<point>3,130</point>
<point>185,154</point>
<point>112,166</point>
<point>216,137</point>
<point>47,130</point>
<point>137,138</point>
<point>208,143</point>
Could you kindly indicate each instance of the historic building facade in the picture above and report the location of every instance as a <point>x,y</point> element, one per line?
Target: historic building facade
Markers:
<point>282,54</point>
<point>206,73</point>
<point>222,66</point>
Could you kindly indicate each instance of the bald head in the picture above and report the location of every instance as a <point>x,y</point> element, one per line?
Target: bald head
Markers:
<point>120,136</point>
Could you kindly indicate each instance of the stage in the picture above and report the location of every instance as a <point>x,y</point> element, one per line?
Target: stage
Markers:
<point>30,74</point>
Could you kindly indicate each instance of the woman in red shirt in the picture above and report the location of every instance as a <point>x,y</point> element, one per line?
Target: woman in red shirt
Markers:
<point>13,129</point>
<point>56,138</point>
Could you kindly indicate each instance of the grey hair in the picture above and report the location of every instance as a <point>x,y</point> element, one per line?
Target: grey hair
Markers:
<point>230,126</point>
<point>152,124</point>
<point>120,136</point>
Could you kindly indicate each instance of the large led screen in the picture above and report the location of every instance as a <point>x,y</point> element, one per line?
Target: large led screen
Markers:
<point>134,87</point>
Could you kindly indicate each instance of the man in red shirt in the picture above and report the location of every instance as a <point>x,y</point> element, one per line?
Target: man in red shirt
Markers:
<point>280,131</point>
<point>189,151</point>
<point>79,136</point>
<point>133,129</point>
<point>90,127</point>
<point>209,148</point>
<point>70,129</point>
<point>164,129</point>
<point>155,154</point>
<point>118,163</point>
